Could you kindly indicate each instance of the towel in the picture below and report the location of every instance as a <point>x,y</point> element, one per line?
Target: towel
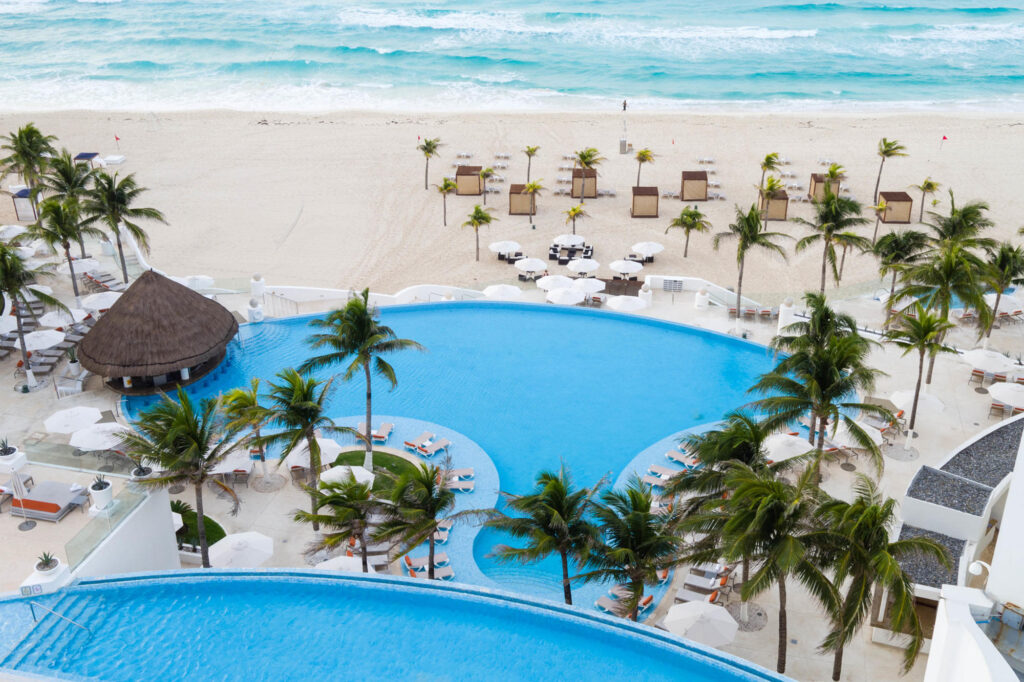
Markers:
<point>75,488</point>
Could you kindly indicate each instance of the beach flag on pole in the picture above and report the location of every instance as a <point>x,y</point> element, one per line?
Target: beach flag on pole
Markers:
<point>944,138</point>
<point>117,141</point>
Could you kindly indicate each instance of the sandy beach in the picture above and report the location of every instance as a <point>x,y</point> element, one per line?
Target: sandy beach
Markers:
<point>337,200</point>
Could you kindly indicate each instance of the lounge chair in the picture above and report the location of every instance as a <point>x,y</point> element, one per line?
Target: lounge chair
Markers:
<point>663,576</point>
<point>709,569</point>
<point>659,470</point>
<point>684,595</point>
<point>461,486</point>
<point>299,475</point>
<point>684,458</point>
<point>434,448</point>
<point>618,608</point>
<point>239,476</point>
<point>441,536</point>
<point>997,409</point>
<point>461,473</point>
<point>382,433</point>
<point>442,573</point>
<point>702,583</point>
<point>421,563</point>
<point>653,481</point>
<point>419,440</point>
<point>49,501</point>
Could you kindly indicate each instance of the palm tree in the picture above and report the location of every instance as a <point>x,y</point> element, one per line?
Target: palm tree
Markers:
<point>769,164</point>
<point>927,186</point>
<point>690,220</point>
<point>588,158</point>
<point>444,189</point>
<point>1005,269</point>
<point>749,235</point>
<point>111,201</point>
<point>355,334</point>
<point>923,331</point>
<point>834,175</point>
<point>350,508</point>
<point>28,154</point>
<point>68,179</point>
<point>243,411</point>
<point>573,213</point>
<point>864,554</point>
<point>895,252</point>
<point>59,224</point>
<point>16,281</point>
<point>530,153</point>
<point>879,211</point>
<point>963,225</point>
<point>420,500</point>
<point>887,149</point>
<point>187,444</point>
<point>553,518</point>
<point>834,218</point>
<point>533,189</point>
<point>643,156</point>
<point>429,147</point>
<point>485,175</point>
<point>478,218</point>
<point>300,412</point>
<point>636,545</point>
<point>822,326</point>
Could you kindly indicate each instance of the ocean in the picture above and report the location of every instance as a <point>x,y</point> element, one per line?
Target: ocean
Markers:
<point>501,55</point>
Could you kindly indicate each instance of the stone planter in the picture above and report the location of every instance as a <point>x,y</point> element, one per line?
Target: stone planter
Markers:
<point>53,570</point>
<point>102,498</point>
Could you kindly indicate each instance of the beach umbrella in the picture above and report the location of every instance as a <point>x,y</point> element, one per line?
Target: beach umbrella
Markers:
<point>549,282</point>
<point>342,563</point>
<point>566,296</point>
<point>503,292</point>
<point>709,624</point>
<point>987,360</point>
<point>531,265</point>
<point>8,323</point>
<point>625,267</point>
<point>904,400</point>
<point>41,288</point>
<point>341,473</point>
<point>589,285</point>
<point>81,265</point>
<point>583,265</point>
<point>9,232</point>
<point>843,437</point>
<point>626,304</point>
<point>100,301</point>
<point>569,240</point>
<point>299,457</point>
<point>782,446</point>
<point>507,246</point>
<point>1008,394</point>
<point>25,252</point>
<point>241,550</point>
<point>647,249</point>
<point>59,318</point>
<point>47,338</point>
<point>1007,302</point>
<point>72,419</point>
<point>105,436</point>
<point>20,493</point>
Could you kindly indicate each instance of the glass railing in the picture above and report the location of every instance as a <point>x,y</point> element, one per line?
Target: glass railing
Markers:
<point>108,462</point>
<point>99,528</point>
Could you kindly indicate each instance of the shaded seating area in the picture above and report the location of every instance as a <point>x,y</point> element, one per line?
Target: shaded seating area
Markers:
<point>564,254</point>
<point>49,501</point>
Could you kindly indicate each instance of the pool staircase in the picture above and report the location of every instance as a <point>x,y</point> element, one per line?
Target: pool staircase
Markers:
<point>56,636</point>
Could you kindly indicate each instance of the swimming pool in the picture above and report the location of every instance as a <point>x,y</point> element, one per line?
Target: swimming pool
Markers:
<point>302,625</point>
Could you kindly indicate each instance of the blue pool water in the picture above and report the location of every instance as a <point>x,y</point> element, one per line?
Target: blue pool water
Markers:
<point>505,54</point>
<point>294,626</point>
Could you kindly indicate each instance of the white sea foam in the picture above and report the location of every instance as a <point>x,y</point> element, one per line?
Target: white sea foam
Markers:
<point>967,33</point>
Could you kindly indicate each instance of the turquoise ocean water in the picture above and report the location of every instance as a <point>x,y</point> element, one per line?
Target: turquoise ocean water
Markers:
<point>509,54</point>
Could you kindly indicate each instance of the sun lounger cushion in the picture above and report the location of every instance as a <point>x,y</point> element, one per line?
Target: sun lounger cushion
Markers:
<point>48,501</point>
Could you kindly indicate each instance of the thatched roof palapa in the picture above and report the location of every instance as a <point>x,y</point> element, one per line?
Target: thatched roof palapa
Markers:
<point>158,326</point>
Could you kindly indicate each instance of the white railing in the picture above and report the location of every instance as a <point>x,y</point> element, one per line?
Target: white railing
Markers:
<point>717,294</point>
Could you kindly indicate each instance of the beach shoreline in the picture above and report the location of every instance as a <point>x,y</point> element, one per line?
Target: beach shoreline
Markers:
<point>337,199</point>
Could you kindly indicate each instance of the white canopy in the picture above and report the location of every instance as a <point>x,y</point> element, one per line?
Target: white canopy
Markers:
<point>59,318</point>
<point>844,438</point>
<point>569,240</point>
<point>566,296</point>
<point>100,301</point>
<point>81,265</point>
<point>1009,394</point>
<point>904,400</point>
<point>531,265</point>
<point>1007,302</point>
<point>503,292</point>
<point>106,436</point>
<point>709,624</point>
<point>237,460</point>
<point>46,338</point>
<point>9,232</point>
<point>341,473</point>
<point>647,249</point>
<point>782,446</point>
<point>549,282</point>
<point>987,360</point>
<point>589,285</point>
<point>241,550</point>
<point>342,562</point>
<point>626,304</point>
<point>625,267</point>
<point>582,265</point>
<point>299,457</point>
<point>72,419</point>
<point>506,246</point>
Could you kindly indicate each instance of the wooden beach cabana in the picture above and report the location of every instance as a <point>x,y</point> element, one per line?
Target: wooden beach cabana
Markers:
<point>520,203</point>
<point>816,190</point>
<point>774,206</point>
<point>898,207</point>
<point>468,181</point>
<point>694,186</point>
<point>588,178</point>
<point>158,335</point>
<point>645,202</point>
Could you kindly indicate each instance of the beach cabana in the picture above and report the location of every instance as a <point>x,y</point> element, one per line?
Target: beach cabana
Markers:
<point>645,202</point>
<point>519,203</point>
<point>898,207</point>
<point>816,190</point>
<point>24,209</point>
<point>157,335</point>
<point>695,186</point>
<point>775,206</point>
<point>588,178</point>
<point>468,181</point>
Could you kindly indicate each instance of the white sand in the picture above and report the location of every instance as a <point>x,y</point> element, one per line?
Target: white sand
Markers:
<point>337,200</point>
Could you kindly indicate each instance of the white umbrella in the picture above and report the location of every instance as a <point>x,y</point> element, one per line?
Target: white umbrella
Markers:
<point>59,318</point>
<point>843,437</point>
<point>625,267</point>
<point>47,338</point>
<point>531,265</point>
<point>9,232</point>
<point>647,249</point>
<point>588,285</point>
<point>503,292</point>
<point>38,288</point>
<point>987,360</point>
<point>72,419</point>
<point>299,457</point>
<point>100,301</point>
<point>782,446</point>
<point>582,265</point>
<point>566,296</point>
<point>344,562</point>
<point>81,265</point>
<point>549,282</point>
<point>241,550</point>
<point>341,473</point>
<point>709,624</point>
<point>1007,302</point>
<point>199,282</point>
<point>507,246</point>
<point>179,523</point>
<point>626,304</point>
<point>904,400</point>
<point>25,252</point>
<point>1009,394</point>
<point>8,323</point>
<point>568,240</point>
<point>20,493</point>
<point>106,436</point>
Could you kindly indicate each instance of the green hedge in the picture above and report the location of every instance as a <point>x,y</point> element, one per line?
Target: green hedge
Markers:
<point>394,464</point>
<point>189,535</point>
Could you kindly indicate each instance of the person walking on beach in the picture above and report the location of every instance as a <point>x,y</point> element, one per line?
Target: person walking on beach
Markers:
<point>623,105</point>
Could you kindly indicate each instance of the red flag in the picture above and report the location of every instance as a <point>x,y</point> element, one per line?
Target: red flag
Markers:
<point>417,138</point>
<point>944,137</point>
<point>673,141</point>
<point>117,138</point>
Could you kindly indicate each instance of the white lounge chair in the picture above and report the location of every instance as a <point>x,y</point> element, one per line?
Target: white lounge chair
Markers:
<point>421,563</point>
<point>442,573</point>
<point>659,470</point>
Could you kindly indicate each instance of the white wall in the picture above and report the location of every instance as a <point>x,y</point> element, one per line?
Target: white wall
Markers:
<point>960,651</point>
<point>1004,581</point>
<point>944,520</point>
<point>144,541</point>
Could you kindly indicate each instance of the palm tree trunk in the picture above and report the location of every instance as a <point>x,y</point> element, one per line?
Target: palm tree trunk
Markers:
<point>878,219</point>
<point>368,458</point>
<point>638,167</point>
<point>204,550</point>
<point>842,265</point>
<point>566,588</point>
<point>837,664</point>
<point>21,334</point>
<point>74,282</point>
<point>483,181</point>
<point>529,162</point>
<point>476,231</point>
<point>634,611</point>
<point>314,475</point>
<point>917,390</point>
<point>783,631</point>
<point>686,245</point>
<point>444,204</point>
<point>931,361</point>
<point>920,215</point>
<point>824,265</point>
<point>744,611</point>
<point>426,174</point>
<point>995,311</point>
<point>263,456</point>
<point>889,303</point>
<point>362,544</point>
<point>739,295</point>
<point>878,181</point>
<point>812,430</point>
<point>120,253</point>
<point>81,244</point>
<point>574,225</point>
<point>430,557</point>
